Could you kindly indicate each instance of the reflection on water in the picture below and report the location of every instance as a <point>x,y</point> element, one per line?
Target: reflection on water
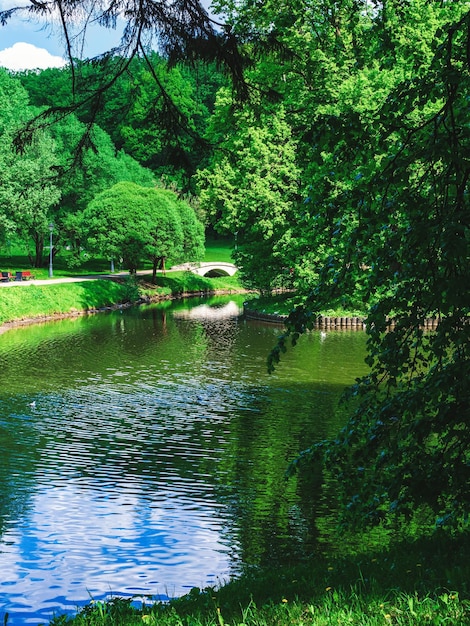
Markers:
<point>209,312</point>
<point>152,459</point>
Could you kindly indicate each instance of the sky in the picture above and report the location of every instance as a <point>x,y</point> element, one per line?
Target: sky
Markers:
<point>28,44</point>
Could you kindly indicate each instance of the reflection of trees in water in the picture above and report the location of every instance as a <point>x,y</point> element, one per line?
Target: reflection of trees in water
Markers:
<point>276,520</point>
<point>217,334</point>
<point>186,404</point>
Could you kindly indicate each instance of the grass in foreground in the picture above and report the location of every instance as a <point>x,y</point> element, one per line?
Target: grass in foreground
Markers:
<point>341,608</point>
<point>426,582</point>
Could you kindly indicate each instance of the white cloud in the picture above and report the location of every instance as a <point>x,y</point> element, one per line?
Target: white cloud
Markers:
<point>25,56</point>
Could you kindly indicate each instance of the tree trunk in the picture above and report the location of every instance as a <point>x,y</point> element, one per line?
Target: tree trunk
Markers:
<point>39,251</point>
<point>156,260</point>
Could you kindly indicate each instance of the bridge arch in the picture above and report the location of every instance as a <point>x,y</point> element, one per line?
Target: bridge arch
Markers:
<point>208,269</point>
<point>215,272</point>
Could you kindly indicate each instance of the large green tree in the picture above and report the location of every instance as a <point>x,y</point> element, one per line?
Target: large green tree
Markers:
<point>81,180</point>
<point>395,216</point>
<point>28,191</point>
<point>374,93</point>
<point>31,193</point>
<point>137,223</point>
<point>251,190</point>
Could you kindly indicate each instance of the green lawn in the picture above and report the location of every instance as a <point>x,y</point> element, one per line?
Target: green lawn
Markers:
<point>218,250</point>
<point>13,259</point>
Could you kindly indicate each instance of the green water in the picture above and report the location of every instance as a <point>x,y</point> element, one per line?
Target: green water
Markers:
<point>143,452</point>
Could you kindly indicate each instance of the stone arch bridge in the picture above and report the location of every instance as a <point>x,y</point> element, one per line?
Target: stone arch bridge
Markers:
<point>208,269</point>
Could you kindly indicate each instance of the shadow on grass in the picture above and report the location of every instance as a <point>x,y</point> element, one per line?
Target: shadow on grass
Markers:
<point>428,566</point>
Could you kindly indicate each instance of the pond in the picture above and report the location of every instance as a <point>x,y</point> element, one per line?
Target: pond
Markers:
<point>143,452</point>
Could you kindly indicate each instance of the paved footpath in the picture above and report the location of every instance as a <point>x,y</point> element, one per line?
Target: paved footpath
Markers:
<point>229,268</point>
<point>70,279</point>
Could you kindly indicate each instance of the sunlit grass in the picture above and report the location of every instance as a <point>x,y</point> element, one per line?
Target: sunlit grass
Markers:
<point>218,250</point>
<point>341,608</point>
<point>284,303</point>
<point>29,301</point>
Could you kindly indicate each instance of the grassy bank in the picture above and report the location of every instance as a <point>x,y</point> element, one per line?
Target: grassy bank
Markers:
<point>28,301</point>
<point>34,301</point>
<point>423,582</point>
<point>178,283</point>
<point>283,303</point>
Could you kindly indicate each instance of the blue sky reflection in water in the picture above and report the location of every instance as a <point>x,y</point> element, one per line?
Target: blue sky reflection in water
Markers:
<point>153,460</point>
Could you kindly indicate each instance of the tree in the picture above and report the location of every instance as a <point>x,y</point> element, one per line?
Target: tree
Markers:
<point>406,445</point>
<point>14,104</point>
<point>96,171</point>
<point>138,223</point>
<point>166,235</point>
<point>193,229</point>
<point>374,95</point>
<point>33,195</point>
<point>28,193</point>
<point>184,33</point>
<point>252,190</point>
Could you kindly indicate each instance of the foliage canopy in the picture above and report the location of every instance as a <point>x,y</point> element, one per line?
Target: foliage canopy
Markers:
<point>137,223</point>
<point>396,212</point>
<point>182,31</point>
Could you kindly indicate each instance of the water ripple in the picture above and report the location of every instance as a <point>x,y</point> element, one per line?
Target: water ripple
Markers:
<point>145,454</point>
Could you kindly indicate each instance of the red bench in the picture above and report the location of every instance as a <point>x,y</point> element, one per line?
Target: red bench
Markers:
<point>26,275</point>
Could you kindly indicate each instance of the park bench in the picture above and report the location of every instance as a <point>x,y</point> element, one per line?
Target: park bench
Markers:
<point>26,275</point>
<point>5,277</point>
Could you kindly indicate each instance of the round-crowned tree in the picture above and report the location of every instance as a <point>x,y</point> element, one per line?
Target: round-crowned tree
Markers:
<point>141,223</point>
